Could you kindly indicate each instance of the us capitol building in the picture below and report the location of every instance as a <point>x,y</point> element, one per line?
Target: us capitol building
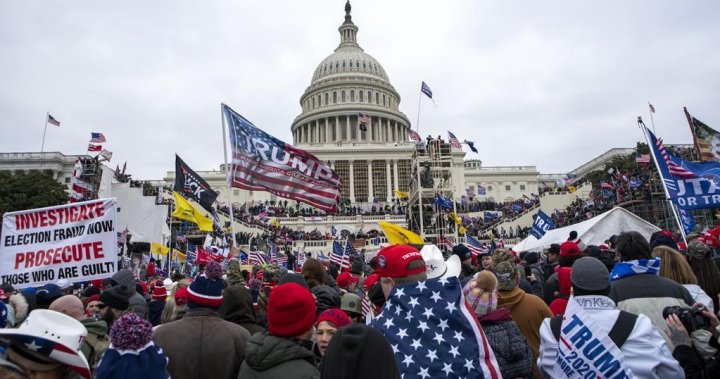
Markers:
<point>372,163</point>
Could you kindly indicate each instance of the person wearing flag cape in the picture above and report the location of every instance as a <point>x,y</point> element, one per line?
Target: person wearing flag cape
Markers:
<point>593,339</point>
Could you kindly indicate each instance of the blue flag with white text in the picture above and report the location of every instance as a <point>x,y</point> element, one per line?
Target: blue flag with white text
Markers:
<point>541,225</point>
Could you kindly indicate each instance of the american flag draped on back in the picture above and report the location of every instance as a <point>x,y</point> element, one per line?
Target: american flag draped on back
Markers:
<point>453,140</point>
<point>261,162</point>
<point>434,334</point>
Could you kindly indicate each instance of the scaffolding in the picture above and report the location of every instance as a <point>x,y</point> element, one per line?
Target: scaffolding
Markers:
<point>431,179</point>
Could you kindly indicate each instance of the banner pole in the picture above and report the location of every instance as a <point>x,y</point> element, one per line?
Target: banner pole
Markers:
<point>417,122</point>
<point>227,175</point>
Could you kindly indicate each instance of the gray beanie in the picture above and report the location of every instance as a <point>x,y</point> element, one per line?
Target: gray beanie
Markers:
<point>590,275</point>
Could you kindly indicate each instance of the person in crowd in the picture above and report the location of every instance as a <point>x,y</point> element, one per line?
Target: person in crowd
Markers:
<point>531,260</point>
<point>201,344</point>
<point>137,302</point>
<point>528,283</point>
<point>511,349</point>
<point>706,272</point>
<point>133,354</point>
<point>564,290</point>
<point>466,269</point>
<point>526,309</point>
<point>176,307</point>
<point>325,298</point>
<point>96,341</point>
<point>157,305</point>
<point>326,325</point>
<point>551,261</point>
<point>351,304</point>
<point>645,353</point>
<point>285,349</point>
<point>46,294</point>
<point>314,273</point>
<point>637,286</point>
<point>237,307</point>
<point>694,365</point>
<point>234,273</point>
<point>603,254</point>
<point>355,352</point>
<point>569,253</point>
<point>347,282</point>
<point>33,346</point>
<point>675,267</point>
<point>91,306</point>
<point>113,303</point>
<point>486,261</point>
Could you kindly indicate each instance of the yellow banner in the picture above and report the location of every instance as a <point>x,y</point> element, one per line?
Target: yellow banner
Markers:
<point>401,194</point>
<point>159,249</point>
<point>185,211</point>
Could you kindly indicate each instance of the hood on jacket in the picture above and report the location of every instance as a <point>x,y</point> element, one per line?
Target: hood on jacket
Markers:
<point>498,315</point>
<point>509,299</point>
<point>264,351</point>
<point>237,306</point>
<point>125,277</point>
<point>96,327</point>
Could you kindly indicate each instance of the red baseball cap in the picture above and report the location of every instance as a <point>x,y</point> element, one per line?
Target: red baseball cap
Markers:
<point>344,279</point>
<point>392,261</point>
<point>569,249</point>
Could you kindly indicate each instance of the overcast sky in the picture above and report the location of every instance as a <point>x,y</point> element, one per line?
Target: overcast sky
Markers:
<point>545,83</point>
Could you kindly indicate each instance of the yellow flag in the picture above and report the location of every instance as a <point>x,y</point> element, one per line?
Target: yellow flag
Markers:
<point>179,255</point>
<point>401,194</point>
<point>571,189</point>
<point>185,211</point>
<point>454,217</point>
<point>160,249</point>
<point>275,223</point>
<point>397,235</point>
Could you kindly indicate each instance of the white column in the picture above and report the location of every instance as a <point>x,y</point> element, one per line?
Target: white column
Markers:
<point>387,174</point>
<point>347,128</point>
<point>337,130</point>
<point>352,180</point>
<point>371,197</point>
<point>395,174</point>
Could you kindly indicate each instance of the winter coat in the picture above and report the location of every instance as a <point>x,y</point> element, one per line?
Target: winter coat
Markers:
<point>694,366</point>
<point>97,341</point>
<point>327,298</point>
<point>648,295</point>
<point>548,269</point>
<point>202,345</point>
<point>511,349</point>
<point>646,353</point>
<point>137,301</point>
<point>237,308</point>
<point>155,309</point>
<point>552,286</point>
<point>528,311</point>
<point>270,357</point>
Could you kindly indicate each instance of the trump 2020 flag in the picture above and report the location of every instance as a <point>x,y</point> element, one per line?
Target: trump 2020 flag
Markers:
<point>261,162</point>
<point>541,225</point>
<point>192,185</point>
<point>433,332</point>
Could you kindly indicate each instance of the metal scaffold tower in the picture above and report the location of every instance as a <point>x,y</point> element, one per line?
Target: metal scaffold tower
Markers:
<point>431,193</point>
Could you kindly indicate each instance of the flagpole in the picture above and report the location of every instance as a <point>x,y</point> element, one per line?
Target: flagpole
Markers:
<point>227,176</point>
<point>642,126</point>
<point>42,148</point>
<point>417,123</point>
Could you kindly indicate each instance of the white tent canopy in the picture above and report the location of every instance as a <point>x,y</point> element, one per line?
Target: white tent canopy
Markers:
<point>593,231</point>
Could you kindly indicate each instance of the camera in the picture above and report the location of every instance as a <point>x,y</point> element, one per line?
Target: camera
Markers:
<point>691,318</point>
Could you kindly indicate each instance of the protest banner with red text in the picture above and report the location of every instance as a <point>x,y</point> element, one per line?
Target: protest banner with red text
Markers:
<point>76,241</point>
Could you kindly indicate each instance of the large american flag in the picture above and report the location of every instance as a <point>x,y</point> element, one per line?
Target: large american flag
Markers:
<point>261,162</point>
<point>415,136</point>
<point>476,248</point>
<point>453,140</point>
<point>340,255</point>
<point>256,258</point>
<point>364,119</point>
<point>675,169</point>
<point>434,334</point>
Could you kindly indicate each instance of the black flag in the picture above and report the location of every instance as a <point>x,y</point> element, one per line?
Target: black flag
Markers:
<point>192,185</point>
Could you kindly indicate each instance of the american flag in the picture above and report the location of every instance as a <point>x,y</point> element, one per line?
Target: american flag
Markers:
<point>364,119</point>
<point>442,240</point>
<point>642,158</point>
<point>339,255</point>
<point>433,333</point>
<point>415,136</point>
<point>261,162</point>
<point>97,137</point>
<point>52,120</point>
<point>122,237</point>
<point>282,260</point>
<point>674,168</point>
<point>501,243</point>
<point>453,140</point>
<point>365,305</point>
<point>476,248</point>
<point>256,258</point>
<point>301,256</point>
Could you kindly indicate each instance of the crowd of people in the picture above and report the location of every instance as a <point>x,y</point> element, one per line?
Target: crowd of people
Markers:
<point>629,307</point>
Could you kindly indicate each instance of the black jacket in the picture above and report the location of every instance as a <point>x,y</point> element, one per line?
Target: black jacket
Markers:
<point>237,307</point>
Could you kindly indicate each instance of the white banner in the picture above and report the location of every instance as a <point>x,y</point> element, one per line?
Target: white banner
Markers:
<point>76,241</point>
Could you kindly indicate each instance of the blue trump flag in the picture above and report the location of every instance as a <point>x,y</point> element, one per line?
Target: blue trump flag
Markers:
<point>689,185</point>
<point>541,225</point>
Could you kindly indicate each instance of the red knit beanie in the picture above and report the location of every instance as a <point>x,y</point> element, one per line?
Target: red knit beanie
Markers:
<point>334,316</point>
<point>290,310</point>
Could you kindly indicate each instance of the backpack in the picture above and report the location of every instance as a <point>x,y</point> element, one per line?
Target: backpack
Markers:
<point>618,334</point>
<point>97,345</point>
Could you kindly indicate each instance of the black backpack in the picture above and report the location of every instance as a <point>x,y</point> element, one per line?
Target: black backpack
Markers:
<point>618,334</point>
